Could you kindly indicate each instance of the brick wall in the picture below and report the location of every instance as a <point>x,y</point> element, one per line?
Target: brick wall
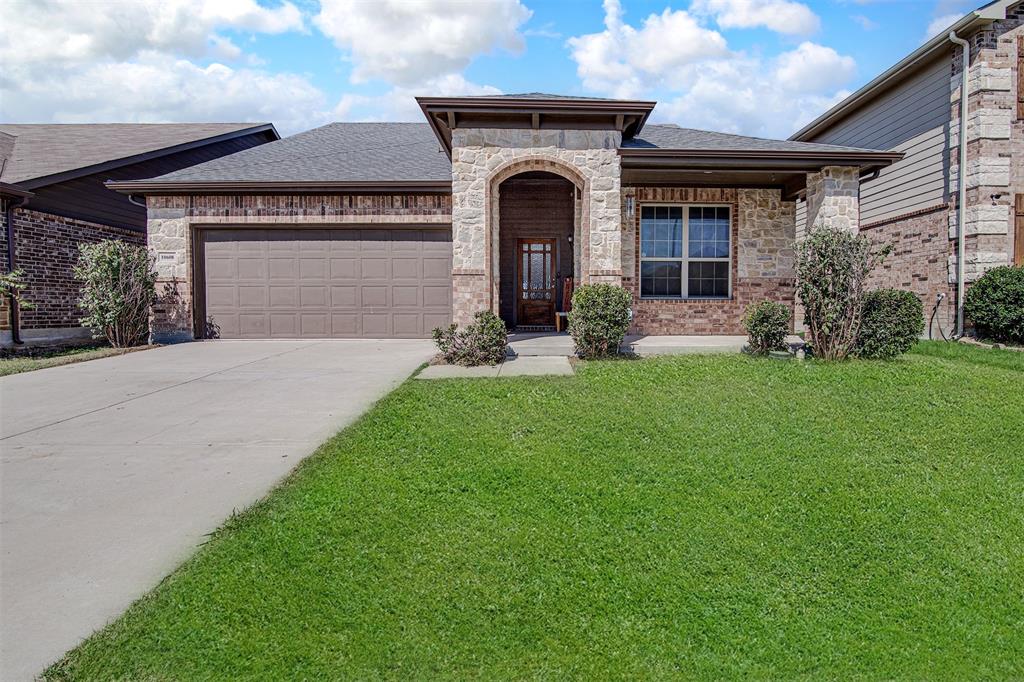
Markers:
<point>763,232</point>
<point>920,248</point>
<point>170,234</point>
<point>46,249</point>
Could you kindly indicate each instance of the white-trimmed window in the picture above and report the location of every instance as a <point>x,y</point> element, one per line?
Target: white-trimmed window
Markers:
<point>684,251</point>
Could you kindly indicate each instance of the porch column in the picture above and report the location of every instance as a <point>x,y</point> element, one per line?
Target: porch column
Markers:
<point>470,291</point>
<point>833,198</point>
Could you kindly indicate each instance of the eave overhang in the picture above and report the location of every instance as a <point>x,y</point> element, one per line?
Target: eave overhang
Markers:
<point>447,113</point>
<point>968,24</point>
<point>150,187</point>
<point>14,191</point>
<point>726,159</point>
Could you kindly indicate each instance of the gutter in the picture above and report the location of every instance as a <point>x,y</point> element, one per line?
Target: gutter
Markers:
<point>965,49</point>
<point>251,187</point>
<point>983,16</point>
<point>14,201</point>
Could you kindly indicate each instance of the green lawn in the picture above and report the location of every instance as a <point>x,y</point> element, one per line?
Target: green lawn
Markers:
<point>66,356</point>
<point>709,517</point>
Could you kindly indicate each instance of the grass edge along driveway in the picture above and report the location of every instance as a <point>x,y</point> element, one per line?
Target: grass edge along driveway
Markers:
<point>691,516</point>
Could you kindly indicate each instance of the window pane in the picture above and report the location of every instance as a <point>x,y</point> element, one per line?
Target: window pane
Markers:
<point>709,232</point>
<point>708,279</point>
<point>661,232</point>
<point>661,278</point>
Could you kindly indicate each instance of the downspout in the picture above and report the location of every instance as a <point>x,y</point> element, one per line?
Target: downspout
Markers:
<point>12,265</point>
<point>965,49</point>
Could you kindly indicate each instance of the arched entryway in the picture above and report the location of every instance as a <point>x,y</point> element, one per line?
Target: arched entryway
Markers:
<point>536,254</point>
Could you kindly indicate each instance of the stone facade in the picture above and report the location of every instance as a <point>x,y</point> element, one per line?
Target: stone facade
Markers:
<point>833,198</point>
<point>46,249</point>
<point>762,236</point>
<point>995,147</point>
<point>171,234</point>
<point>482,158</point>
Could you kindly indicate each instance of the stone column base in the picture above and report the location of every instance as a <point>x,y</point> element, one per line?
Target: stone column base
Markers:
<point>470,295</point>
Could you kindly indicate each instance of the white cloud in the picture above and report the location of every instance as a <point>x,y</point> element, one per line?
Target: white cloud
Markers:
<point>73,62</point>
<point>624,61</point>
<point>399,103</point>
<point>702,83</point>
<point>939,25</point>
<point>157,88</point>
<point>407,41</point>
<point>71,31</point>
<point>813,68</point>
<point>781,16</point>
<point>865,23</point>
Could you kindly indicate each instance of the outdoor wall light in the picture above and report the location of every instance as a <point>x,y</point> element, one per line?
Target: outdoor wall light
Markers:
<point>629,204</point>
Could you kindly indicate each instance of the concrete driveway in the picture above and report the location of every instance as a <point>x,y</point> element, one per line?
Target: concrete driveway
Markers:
<point>113,470</point>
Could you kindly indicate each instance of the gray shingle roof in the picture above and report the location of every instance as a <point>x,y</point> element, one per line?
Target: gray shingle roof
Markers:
<point>671,136</point>
<point>337,152</point>
<point>42,149</point>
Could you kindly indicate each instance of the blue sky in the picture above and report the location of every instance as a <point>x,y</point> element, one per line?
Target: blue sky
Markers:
<point>759,67</point>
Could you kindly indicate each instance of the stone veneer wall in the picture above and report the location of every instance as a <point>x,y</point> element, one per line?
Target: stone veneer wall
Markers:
<point>482,158</point>
<point>995,147</point>
<point>763,233</point>
<point>46,249</point>
<point>833,198</point>
<point>171,233</point>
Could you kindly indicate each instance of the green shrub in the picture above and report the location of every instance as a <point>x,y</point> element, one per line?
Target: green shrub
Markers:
<point>12,284</point>
<point>832,266</point>
<point>891,323</point>
<point>599,319</point>
<point>118,286</point>
<point>767,324</point>
<point>995,304</point>
<point>484,342</point>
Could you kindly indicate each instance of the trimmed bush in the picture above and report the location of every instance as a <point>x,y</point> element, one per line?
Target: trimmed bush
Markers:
<point>767,324</point>
<point>118,286</point>
<point>484,342</point>
<point>891,323</point>
<point>599,319</point>
<point>832,266</point>
<point>995,304</point>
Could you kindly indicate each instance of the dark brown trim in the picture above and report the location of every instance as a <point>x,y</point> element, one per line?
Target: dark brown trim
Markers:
<point>147,156</point>
<point>9,190</point>
<point>290,187</point>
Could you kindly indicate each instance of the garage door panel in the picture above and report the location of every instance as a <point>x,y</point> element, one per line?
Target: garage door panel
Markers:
<point>284,297</point>
<point>289,283</point>
<point>405,296</point>
<point>373,268</point>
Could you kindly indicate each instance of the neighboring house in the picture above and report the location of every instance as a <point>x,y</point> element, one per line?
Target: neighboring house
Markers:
<point>53,199</point>
<point>392,229</point>
<point>914,108</point>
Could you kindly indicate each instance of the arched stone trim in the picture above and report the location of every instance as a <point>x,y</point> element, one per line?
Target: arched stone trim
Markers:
<point>492,203</point>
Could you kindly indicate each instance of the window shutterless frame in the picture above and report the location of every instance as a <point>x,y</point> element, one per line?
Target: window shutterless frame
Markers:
<point>684,259</point>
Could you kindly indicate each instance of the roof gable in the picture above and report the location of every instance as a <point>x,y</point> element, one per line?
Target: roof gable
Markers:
<point>40,154</point>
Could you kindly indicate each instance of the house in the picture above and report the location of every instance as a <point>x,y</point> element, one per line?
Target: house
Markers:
<point>914,204</point>
<point>53,199</point>
<point>392,229</point>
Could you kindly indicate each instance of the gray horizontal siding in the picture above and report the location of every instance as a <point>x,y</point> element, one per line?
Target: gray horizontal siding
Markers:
<point>912,118</point>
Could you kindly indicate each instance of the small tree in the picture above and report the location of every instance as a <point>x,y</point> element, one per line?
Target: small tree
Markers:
<point>118,286</point>
<point>832,266</point>
<point>599,319</point>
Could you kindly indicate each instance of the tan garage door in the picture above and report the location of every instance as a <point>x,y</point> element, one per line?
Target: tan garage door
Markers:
<point>332,283</point>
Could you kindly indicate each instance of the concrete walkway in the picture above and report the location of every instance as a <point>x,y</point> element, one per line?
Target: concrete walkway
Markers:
<point>113,470</point>
<point>548,344</point>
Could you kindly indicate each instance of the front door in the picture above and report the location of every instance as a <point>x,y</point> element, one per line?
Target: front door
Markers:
<point>535,296</point>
